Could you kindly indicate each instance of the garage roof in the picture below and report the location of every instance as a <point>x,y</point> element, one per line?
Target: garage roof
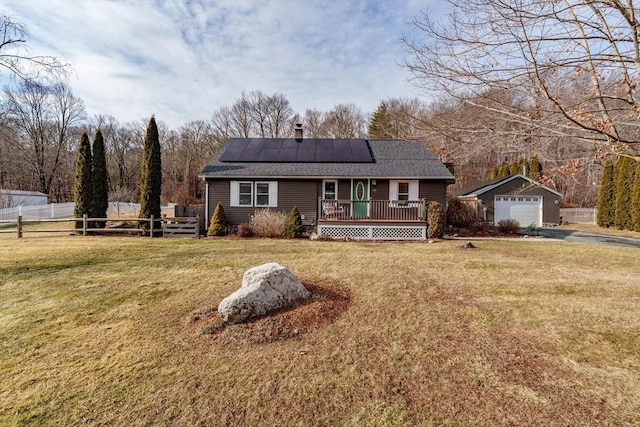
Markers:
<point>479,188</point>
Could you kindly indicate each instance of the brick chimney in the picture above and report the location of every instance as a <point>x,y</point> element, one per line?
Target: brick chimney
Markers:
<point>298,132</point>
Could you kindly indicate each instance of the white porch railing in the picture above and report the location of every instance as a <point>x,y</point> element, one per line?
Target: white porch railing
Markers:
<point>372,210</point>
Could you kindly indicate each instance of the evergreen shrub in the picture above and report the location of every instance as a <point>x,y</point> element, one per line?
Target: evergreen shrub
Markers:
<point>218,225</point>
<point>294,227</point>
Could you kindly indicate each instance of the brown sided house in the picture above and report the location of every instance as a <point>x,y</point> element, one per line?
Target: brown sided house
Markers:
<point>353,188</point>
<point>513,197</point>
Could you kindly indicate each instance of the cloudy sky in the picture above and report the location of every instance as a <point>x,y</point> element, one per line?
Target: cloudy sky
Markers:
<point>182,60</point>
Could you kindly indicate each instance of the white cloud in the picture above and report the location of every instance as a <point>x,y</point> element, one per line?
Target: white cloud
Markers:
<point>182,60</point>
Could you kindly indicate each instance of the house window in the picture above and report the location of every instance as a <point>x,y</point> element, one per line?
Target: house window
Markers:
<point>259,194</point>
<point>262,194</point>
<point>403,191</point>
<point>330,190</point>
<point>245,193</point>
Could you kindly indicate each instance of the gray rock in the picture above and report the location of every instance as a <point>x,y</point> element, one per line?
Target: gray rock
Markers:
<point>264,288</point>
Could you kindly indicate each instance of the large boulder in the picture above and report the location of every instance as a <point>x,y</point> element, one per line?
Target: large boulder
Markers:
<point>264,288</point>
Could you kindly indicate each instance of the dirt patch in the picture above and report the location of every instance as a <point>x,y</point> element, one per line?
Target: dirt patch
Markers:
<point>327,303</point>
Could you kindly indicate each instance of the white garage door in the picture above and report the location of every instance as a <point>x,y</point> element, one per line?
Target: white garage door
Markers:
<point>526,210</point>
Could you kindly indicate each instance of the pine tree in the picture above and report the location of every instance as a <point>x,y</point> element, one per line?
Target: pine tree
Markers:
<point>624,171</point>
<point>379,125</point>
<point>294,227</point>
<point>82,185</point>
<point>100,179</point>
<point>218,225</point>
<point>635,200</point>
<point>606,196</point>
<point>151,174</point>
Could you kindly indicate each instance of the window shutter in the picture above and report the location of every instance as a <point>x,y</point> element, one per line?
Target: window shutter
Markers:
<point>393,190</point>
<point>413,190</point>
<point>273,194</point>
<point>234,199</point>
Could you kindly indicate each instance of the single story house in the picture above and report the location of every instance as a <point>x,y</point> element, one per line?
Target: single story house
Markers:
<point>513,197</point>
<point>343,188</point>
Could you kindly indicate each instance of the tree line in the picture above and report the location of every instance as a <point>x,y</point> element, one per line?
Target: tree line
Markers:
<point>501,89</point>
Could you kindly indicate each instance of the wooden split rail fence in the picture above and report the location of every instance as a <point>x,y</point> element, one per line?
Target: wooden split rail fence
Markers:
<point>169,227</point>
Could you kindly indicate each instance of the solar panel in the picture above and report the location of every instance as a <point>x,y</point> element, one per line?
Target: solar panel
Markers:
<point>360,150</point>
<point>342,150</point>
<point>306,151</point>
<point>291,150</point>
<point>234,150</point>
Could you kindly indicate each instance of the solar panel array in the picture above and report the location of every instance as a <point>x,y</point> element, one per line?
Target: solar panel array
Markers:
<point>309,150</point>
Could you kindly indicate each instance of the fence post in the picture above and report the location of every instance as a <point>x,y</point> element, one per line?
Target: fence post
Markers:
<point>84,224</point>
<point>151,227</point>
<point>197,236</point>
<point>19,226</point>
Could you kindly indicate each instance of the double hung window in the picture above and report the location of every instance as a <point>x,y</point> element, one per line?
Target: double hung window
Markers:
<point>254,193</point>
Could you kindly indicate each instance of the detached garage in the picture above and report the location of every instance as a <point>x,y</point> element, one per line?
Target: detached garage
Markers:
<point>513,197</point>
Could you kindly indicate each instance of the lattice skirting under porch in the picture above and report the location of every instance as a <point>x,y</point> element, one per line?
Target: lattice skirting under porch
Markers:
<point>374,232</point>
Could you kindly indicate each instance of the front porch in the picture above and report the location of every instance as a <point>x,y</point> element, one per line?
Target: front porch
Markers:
<point>373,219</point>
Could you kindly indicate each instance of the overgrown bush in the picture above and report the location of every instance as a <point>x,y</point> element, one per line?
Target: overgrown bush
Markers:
<point>269,223</point>
<point>218,225</point>
<point>509,226</point>
<point>294,228</point>
<point>436,217</point>
<point>245,230</point>
<point>460,214</point>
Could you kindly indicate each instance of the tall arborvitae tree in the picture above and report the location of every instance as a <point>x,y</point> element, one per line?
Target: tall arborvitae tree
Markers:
<point>379,125</point>
<point>635,200</point>
<point>504,170</point>
<point>606,197</point>
<point>535,168</point>
<point>514,169</point>
<point>624,171</point>
<point>151,173</point>
<point>82,184</point>
<point>494,173</point>
<point>100,178</point>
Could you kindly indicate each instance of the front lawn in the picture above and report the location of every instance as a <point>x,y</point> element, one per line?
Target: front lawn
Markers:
<point>107,331</point>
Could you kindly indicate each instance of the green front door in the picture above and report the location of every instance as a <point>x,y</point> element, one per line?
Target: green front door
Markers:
<point>360,197</point>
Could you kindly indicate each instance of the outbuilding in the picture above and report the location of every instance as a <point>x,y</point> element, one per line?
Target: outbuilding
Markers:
<point>514,197</point>
<point>14,198</point>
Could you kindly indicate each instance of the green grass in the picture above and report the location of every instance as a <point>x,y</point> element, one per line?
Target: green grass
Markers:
<point>99,331</point>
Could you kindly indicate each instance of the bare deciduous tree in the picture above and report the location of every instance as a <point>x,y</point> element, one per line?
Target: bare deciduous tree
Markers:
<point>42,118</point>
<point>568,68</point>
<point>344,121</point>
<point>15,57</point>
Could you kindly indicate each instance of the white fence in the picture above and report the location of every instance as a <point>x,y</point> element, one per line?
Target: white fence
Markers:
<point>578,215</point>
<point>63,210</point>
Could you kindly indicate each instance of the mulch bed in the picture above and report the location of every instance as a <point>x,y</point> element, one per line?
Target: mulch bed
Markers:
<point>327,303</point>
